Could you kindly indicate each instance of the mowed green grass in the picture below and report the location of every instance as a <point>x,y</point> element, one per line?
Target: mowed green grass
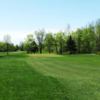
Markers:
<point>49,77</point>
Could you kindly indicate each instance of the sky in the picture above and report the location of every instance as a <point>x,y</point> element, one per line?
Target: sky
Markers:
<point>21,17</point>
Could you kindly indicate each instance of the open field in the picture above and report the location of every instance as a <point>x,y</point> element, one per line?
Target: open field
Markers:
<point>49,77</point>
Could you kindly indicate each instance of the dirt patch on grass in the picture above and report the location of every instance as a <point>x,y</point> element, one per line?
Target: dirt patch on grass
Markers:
<point>44,55</point>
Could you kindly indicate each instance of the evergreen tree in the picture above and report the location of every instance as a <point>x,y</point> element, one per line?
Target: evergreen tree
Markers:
<point>71,45</point>
<point>33,47</point>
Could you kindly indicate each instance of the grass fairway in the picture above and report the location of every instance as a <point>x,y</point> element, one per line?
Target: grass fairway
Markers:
<point>49,77</point>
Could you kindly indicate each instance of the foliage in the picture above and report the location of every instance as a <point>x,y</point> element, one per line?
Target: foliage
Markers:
<point>40,38</point>
<point>3,47</point>
<point>7,40</point>
<point>30,45</point>
<point>49,42</point>
<point>71,45</point>
<point>59,37</point>
<point>84,40</point>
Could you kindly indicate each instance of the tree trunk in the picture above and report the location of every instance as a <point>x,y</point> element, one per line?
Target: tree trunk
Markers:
<point>40,48</point>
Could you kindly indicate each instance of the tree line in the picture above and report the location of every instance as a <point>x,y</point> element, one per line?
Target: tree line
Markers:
<point>83,40</point>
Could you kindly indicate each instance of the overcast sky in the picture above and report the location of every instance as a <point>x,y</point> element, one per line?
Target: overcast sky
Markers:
<point>21,17</point>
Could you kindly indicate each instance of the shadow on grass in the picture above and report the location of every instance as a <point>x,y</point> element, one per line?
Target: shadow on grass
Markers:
<point>19,81</point>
